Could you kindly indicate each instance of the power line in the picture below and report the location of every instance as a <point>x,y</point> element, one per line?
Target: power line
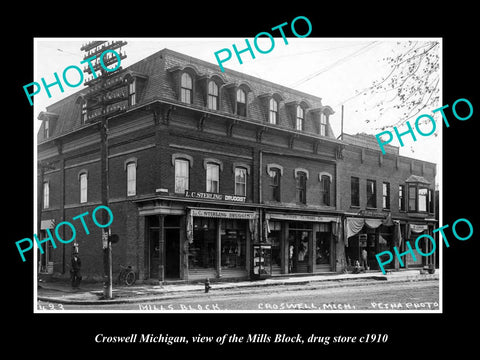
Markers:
<point>339,61</point>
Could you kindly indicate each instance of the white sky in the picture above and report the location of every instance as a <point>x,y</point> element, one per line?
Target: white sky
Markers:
<point>333,69</point>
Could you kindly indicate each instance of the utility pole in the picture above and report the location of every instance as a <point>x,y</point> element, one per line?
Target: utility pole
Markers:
<point>105,97</point>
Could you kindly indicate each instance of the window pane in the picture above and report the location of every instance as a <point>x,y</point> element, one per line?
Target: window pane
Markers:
<point>240,96</point>
<point>422,199</point>
<point>412,197</point>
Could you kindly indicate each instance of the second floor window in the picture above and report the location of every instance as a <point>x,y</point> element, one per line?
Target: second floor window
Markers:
<point>299,118</point>
<point>355,191</point>
<point>83,187</point>
<point>386,195</point>
<point>186,87</point>
<point>275,183</point>
<point>301,187</point>
<point>273,112</point>
<point>371,193</point>
<point>131,179</point>
<point>46,195</point>
<point>213,176</point>
<point>412,198</point>
<point>241,103</point>
<point>212,100</point>
<point>401,197</point>
<point>181,175</point>
<point>422,199</point>
<point>240,181</point>
<point>325,190</point>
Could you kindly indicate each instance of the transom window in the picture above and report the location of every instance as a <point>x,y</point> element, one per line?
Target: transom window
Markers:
<point>186,87</point>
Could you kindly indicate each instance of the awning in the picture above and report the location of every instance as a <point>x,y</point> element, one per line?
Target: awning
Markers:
<point>355,225</point>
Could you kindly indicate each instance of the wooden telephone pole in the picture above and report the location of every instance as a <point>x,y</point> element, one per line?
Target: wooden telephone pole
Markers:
<point>105,97</point>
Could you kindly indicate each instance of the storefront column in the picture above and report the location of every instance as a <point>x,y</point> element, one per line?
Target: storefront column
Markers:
<point>312,244</point>
<point>284,252</point>
<point>161,245</point>
<point>218,265</point>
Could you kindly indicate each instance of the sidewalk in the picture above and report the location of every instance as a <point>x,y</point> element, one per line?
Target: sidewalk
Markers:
<point>91,293</point>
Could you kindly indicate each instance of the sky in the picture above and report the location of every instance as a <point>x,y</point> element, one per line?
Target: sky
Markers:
<point>334,69</point>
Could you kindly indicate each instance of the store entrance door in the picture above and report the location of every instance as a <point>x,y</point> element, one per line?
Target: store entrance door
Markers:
<point>172,253</point>
<point>298,250</point>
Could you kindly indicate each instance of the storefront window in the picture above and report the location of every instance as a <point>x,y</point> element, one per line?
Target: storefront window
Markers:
<point>274,239</point>
<point>202,251</point>
<point>298,247</point>
<point>323,244</point>
<point>233,244</point>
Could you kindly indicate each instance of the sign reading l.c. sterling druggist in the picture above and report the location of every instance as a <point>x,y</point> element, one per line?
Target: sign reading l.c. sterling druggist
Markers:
<point>214,196</point>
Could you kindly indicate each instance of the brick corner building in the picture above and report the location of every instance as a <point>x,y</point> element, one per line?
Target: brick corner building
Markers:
<point>221,175</point>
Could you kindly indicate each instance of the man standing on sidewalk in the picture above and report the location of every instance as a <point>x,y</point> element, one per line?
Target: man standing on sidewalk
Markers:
<point>364,259</point>
<point>75,271</point>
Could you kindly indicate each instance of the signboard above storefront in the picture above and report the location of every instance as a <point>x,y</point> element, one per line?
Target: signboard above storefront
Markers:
<point>221,214</point>
<point>214,196</point>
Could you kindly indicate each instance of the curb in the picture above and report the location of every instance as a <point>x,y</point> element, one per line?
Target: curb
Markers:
<point>324,283</point>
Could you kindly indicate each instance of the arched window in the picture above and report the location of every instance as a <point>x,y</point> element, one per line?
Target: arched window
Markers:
<point>186,87</point>
<point>212,100</point>
<point>273,111</point>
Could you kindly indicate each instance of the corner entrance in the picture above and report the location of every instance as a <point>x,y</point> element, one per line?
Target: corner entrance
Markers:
<point>163,238</point>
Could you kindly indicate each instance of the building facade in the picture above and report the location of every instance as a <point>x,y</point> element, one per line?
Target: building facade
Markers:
<point>214,175</point>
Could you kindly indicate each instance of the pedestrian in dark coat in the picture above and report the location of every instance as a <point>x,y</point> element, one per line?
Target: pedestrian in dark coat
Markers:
<point>76,275</point>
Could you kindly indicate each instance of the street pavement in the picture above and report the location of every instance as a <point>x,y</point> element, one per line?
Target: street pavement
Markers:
<point>58,291</point>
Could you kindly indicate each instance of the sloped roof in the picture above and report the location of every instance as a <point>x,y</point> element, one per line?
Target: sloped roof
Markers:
<point>159,84</point>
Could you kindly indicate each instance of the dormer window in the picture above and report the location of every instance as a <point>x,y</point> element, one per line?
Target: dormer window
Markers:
<point>241,103</point>
<point>273,111</point>
<point>132,99</point>
<point>323,124</point>
<point>212,97</point>
<point>84,112</point>
<point>186,86</point>
<point>300,118</point>
<point>46,131</point>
